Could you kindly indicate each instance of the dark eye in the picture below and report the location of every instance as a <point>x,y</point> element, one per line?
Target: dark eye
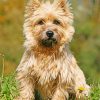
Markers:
<point>40,22</point>
<point>57,22</point>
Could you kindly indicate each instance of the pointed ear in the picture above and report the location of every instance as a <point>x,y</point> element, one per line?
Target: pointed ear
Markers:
<point>32,4</point>
<point>62,4</point>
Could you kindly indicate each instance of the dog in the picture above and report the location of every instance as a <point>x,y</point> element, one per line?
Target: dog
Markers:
<point>47,65</point>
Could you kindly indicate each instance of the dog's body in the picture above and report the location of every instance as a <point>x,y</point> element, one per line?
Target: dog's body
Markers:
<point>47,64</point>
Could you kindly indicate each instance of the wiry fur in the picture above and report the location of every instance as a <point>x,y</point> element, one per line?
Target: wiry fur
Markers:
<point>53,71</point>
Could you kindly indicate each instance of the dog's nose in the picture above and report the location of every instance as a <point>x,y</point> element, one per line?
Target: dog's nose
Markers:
<point>50,34</point>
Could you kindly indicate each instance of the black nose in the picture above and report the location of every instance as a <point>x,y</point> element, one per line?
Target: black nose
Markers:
<point>50,34</point>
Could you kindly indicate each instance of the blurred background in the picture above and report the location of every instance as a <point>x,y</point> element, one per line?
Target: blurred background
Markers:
<point>85,44</point>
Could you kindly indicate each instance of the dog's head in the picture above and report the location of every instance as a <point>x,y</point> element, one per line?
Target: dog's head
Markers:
<point>48,24</point>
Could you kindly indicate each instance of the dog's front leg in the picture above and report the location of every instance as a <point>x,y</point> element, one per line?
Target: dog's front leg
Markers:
<point>82,89</point>
<point>25,81</point>
<point>60,94</point>
<point>25,86</point>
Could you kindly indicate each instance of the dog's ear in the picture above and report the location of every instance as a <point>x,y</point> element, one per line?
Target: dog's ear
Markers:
<point>33,4</point>
<point>62,4</point>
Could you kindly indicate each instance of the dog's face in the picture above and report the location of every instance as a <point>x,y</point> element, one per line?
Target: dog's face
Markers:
<point>48,24</point>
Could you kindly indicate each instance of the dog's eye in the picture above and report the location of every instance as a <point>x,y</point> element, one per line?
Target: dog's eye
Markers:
<point>40,22</point>
<point>57,22</point>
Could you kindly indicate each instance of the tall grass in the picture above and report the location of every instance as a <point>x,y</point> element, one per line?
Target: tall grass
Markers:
<point>8,84</point>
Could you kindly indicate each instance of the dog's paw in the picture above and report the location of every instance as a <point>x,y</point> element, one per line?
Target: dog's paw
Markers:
<point>83,92</point>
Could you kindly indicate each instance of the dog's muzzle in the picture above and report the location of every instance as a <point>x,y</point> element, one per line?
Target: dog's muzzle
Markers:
<point>50,42</point>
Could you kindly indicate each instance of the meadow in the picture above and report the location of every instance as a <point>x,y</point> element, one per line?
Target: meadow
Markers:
<point>85,44</point>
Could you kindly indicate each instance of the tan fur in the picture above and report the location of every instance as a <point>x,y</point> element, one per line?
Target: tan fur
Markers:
<point>53,71</point>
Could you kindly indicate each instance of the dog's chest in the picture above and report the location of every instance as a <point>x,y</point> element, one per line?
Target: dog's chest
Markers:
<point>47,78</point>
<point>49,73</point>
<point>47,90</point>
<point>45,74</point>
<point>48,69</point>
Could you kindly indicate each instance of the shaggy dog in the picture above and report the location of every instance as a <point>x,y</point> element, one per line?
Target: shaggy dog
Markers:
<point>47,64</point>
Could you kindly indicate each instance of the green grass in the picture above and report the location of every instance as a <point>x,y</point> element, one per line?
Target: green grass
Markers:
<point>95,93</point>
<point>9,89</point>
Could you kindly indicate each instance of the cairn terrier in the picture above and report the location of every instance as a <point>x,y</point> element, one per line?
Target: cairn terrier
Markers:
<point>47,65</point>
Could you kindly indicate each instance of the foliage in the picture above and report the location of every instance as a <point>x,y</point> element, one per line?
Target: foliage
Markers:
<point>11,39</point>
<point>95,93</point>
<point>87,39</point>
<point>8,88</point>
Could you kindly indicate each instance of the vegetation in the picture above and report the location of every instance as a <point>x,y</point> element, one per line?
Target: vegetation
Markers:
<point>85,44</point>
<point>9,89</point>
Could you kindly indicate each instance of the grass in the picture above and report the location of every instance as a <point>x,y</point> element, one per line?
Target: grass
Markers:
<point>8,84</point>
<point>9,89</point>
<point>95,93</point>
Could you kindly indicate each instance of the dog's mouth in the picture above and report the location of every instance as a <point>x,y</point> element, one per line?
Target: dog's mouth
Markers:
<point>50,42</point>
